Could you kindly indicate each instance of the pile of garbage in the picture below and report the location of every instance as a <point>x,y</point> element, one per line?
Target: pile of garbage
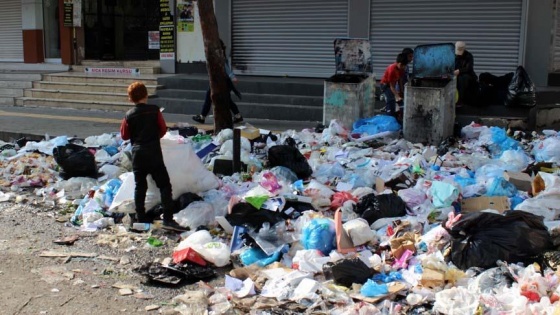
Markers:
<point>330,220</point>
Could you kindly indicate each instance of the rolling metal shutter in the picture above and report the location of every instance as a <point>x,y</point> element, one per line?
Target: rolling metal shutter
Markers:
<point>287,37</point>
<point>11,36</point>
<point>556,52</point>
<point>491,28</point>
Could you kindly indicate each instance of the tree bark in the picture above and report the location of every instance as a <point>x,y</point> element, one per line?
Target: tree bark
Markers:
<point>215,58</point>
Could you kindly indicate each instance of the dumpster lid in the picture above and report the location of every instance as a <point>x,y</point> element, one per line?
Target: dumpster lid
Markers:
<point>352,56</point>
<point>434,60</point>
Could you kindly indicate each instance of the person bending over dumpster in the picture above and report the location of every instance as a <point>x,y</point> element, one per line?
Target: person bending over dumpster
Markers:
<point>144,126</point>
<point>466,77</point>
<point>391,77</point>
<point>406,73</point>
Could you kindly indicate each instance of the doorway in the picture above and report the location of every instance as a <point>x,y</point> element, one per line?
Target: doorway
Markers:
<point>51,31</point>
<point>119,29</point>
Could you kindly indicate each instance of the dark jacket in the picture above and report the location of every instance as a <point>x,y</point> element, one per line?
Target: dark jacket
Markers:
<point>465,63</point>
<point>143,125</point>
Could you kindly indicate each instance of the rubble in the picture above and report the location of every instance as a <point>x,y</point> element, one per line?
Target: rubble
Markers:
<point>336,221</point>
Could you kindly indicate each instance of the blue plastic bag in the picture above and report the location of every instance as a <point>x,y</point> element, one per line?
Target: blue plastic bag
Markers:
<point>372,289</point>
<point>319,234</point>
<point>501,142</point>
<point>464,181</point>
<point>111,150</point>
<point>111,188</point>
<point>376,124</point>
<point>386,278</point>
<point>259,257</point>
<point>500,187</point>
<point>515,200</point>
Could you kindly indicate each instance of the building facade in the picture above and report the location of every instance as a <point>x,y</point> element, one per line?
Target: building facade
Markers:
<point>282,37</point>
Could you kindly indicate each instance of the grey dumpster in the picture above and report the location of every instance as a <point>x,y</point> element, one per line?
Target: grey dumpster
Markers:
<point>429,100</point>
<point>349,94</point>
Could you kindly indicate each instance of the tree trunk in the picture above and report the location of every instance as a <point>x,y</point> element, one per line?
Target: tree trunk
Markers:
<point>215,58</point>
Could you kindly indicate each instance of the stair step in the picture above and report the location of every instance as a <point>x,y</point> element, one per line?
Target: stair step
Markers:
<point>18,76</point>
<point>77,95</point>
<point>15,84</point>
<point>11,92</point>
<point>256,85</point>
<point>76,104</point>
<point>84,78</point>
<point>247,97</point>
<point>6,100</point>
<point>142,70</point>
<point>93,87</point>
<point>125,64</point>
<point>249,110</point>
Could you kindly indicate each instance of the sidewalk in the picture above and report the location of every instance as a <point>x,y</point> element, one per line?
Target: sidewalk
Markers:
<point>35,122</point>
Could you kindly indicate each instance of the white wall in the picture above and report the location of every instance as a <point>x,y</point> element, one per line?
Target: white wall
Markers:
<point>190,45</point>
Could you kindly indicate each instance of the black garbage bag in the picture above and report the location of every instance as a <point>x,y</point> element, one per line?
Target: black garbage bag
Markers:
<point>480,239</point>
<point>244,214</point>
<point>75,160</point>
<point>521,90</point>
<point>348,271</point>
<point>372,208</point>
<point>290,157</point>
<point>185,200</point>
<point>174,274</point>
<point>493,89</point>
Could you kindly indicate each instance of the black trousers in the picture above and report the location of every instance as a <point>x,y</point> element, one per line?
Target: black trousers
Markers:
<point>208,101</point>
<point>148,160</point>
<point>467,86</point>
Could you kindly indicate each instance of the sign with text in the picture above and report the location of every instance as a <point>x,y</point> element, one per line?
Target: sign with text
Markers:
<point>68,18</point>
<point>166,32</point>
<point>122,71</point>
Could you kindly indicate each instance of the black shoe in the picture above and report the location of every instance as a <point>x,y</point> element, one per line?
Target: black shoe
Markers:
<point>173,226</point>
<point>237,119</point>
<point>198,118</point>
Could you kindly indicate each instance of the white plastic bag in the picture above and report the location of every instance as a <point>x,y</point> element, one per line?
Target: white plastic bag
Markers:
<point>186,171</point>
<point>515,160</point>
<point>214,252</point>
<point>412,197</point>
<point>472,131</point>
<point>195,214</point>
<point>547,150</point>
<point>111,171</point>
<point>197,238</point>
<point>124,199</point>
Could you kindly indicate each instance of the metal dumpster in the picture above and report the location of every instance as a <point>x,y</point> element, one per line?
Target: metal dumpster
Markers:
<point>349,94</point>
<point>429,100</point>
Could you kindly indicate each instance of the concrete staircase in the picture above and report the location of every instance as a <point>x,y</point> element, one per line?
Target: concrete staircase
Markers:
<point>263,97</point>
<point>13,84</point>
<point>80,90</point>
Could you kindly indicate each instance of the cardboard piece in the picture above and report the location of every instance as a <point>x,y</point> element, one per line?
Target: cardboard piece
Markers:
<point>521,181</point>
<point>432,278</point>
<point>500,203</point>
<point>250,132</point>
<point>399,245</point>
<point>344,243</point>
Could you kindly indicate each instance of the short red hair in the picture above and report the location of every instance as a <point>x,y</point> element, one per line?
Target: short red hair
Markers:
<point>137,91</point>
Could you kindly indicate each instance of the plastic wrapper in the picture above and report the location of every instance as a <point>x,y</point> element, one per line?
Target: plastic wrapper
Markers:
<point>196,214</point>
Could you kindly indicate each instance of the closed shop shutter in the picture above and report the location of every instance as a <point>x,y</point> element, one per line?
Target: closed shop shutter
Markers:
<point>11,39</point>
<point>556,52</point>
<point>491,28</point>
<point>287,37</point>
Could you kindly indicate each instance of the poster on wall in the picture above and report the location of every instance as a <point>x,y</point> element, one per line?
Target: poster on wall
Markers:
<point>166,32</point>
<point>153,40</point>
<point>77,13</point>
<point>186,16</point>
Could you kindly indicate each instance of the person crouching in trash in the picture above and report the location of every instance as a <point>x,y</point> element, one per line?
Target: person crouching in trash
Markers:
<point>391,77</point>
<point>144,126</point>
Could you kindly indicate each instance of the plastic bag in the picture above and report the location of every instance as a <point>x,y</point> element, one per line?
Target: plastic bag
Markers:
<point>214,252</point>
<point>376,124</point>
<point>339,198</point>
<point>111,171</point>
<point>515,160</point>
<point>197,238</point>
<point>443,194</point>
<point>186,171</point>
<point>372,207</point>
<point>521,90</point>
<point>198,213</point>
<point>412,197</point>
<point>123,201</point>
<point>319,234</point>
<point>480,239</point>
<point>284,174</point>
<point>472,131</point>
<point>547,150</point>
<point>75,160</point>
<point>258,256</point>
<point>500,187</point>
<point>457,300</point>
<point>372,289</point>
<point>290,157</point>
<point>345,272</point>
